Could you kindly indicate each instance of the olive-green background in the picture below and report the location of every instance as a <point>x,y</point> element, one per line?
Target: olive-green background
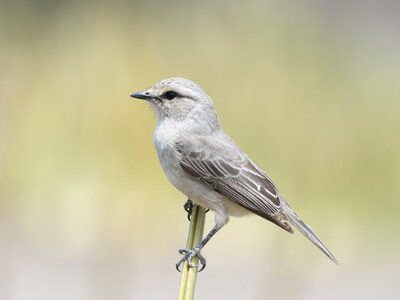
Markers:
<point>309,89</point>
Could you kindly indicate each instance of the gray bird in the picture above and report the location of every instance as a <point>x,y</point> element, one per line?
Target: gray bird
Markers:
<point>205,164</point>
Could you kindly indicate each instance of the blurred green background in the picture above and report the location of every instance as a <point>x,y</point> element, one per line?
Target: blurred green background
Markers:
<point>309,89</point>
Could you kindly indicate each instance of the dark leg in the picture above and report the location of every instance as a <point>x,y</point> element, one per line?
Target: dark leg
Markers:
<point>189,254</point>
<point>188,206</point>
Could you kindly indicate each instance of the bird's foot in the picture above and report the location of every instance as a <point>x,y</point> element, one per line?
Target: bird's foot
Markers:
<point>188,255</point>
<point>188,206</point>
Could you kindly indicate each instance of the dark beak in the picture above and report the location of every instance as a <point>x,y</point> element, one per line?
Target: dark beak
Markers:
<point>145,95</point>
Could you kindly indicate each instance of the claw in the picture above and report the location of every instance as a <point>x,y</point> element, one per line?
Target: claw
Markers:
<point>188,256</point>
<point>188,206</point>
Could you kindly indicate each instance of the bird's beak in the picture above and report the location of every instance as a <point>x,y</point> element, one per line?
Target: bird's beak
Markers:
<point>145,95</point>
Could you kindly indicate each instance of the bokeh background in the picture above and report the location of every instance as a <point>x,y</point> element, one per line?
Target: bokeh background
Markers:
<point>310,89</point>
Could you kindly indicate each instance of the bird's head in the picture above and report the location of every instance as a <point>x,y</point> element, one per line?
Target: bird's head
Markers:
<point>179,99</point>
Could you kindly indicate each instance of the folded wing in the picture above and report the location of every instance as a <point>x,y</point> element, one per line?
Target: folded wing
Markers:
<point>240,180</point>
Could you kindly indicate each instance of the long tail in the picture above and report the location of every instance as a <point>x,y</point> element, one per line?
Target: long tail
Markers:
<point>307,232</point>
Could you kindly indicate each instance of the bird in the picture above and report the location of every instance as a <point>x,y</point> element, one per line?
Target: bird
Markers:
<point>206,165</point>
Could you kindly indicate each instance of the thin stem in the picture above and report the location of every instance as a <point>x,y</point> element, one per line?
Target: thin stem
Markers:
<point>189,274</point>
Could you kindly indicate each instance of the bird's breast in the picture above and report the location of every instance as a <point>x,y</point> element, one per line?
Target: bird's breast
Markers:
<point>164,139</point>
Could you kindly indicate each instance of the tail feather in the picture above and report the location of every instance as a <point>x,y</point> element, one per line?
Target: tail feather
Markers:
<point>308,232</point>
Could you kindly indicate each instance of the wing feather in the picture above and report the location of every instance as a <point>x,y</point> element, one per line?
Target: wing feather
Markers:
<point>240,180</point>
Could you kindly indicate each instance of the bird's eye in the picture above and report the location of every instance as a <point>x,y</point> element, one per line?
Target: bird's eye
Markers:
<point>170,95</point>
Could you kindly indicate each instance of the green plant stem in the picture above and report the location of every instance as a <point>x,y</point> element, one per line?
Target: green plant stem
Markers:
<point>189,274</point>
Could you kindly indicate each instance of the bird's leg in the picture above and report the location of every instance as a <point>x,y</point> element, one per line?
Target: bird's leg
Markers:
<point>188,206</point>
<point>188,254</point>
